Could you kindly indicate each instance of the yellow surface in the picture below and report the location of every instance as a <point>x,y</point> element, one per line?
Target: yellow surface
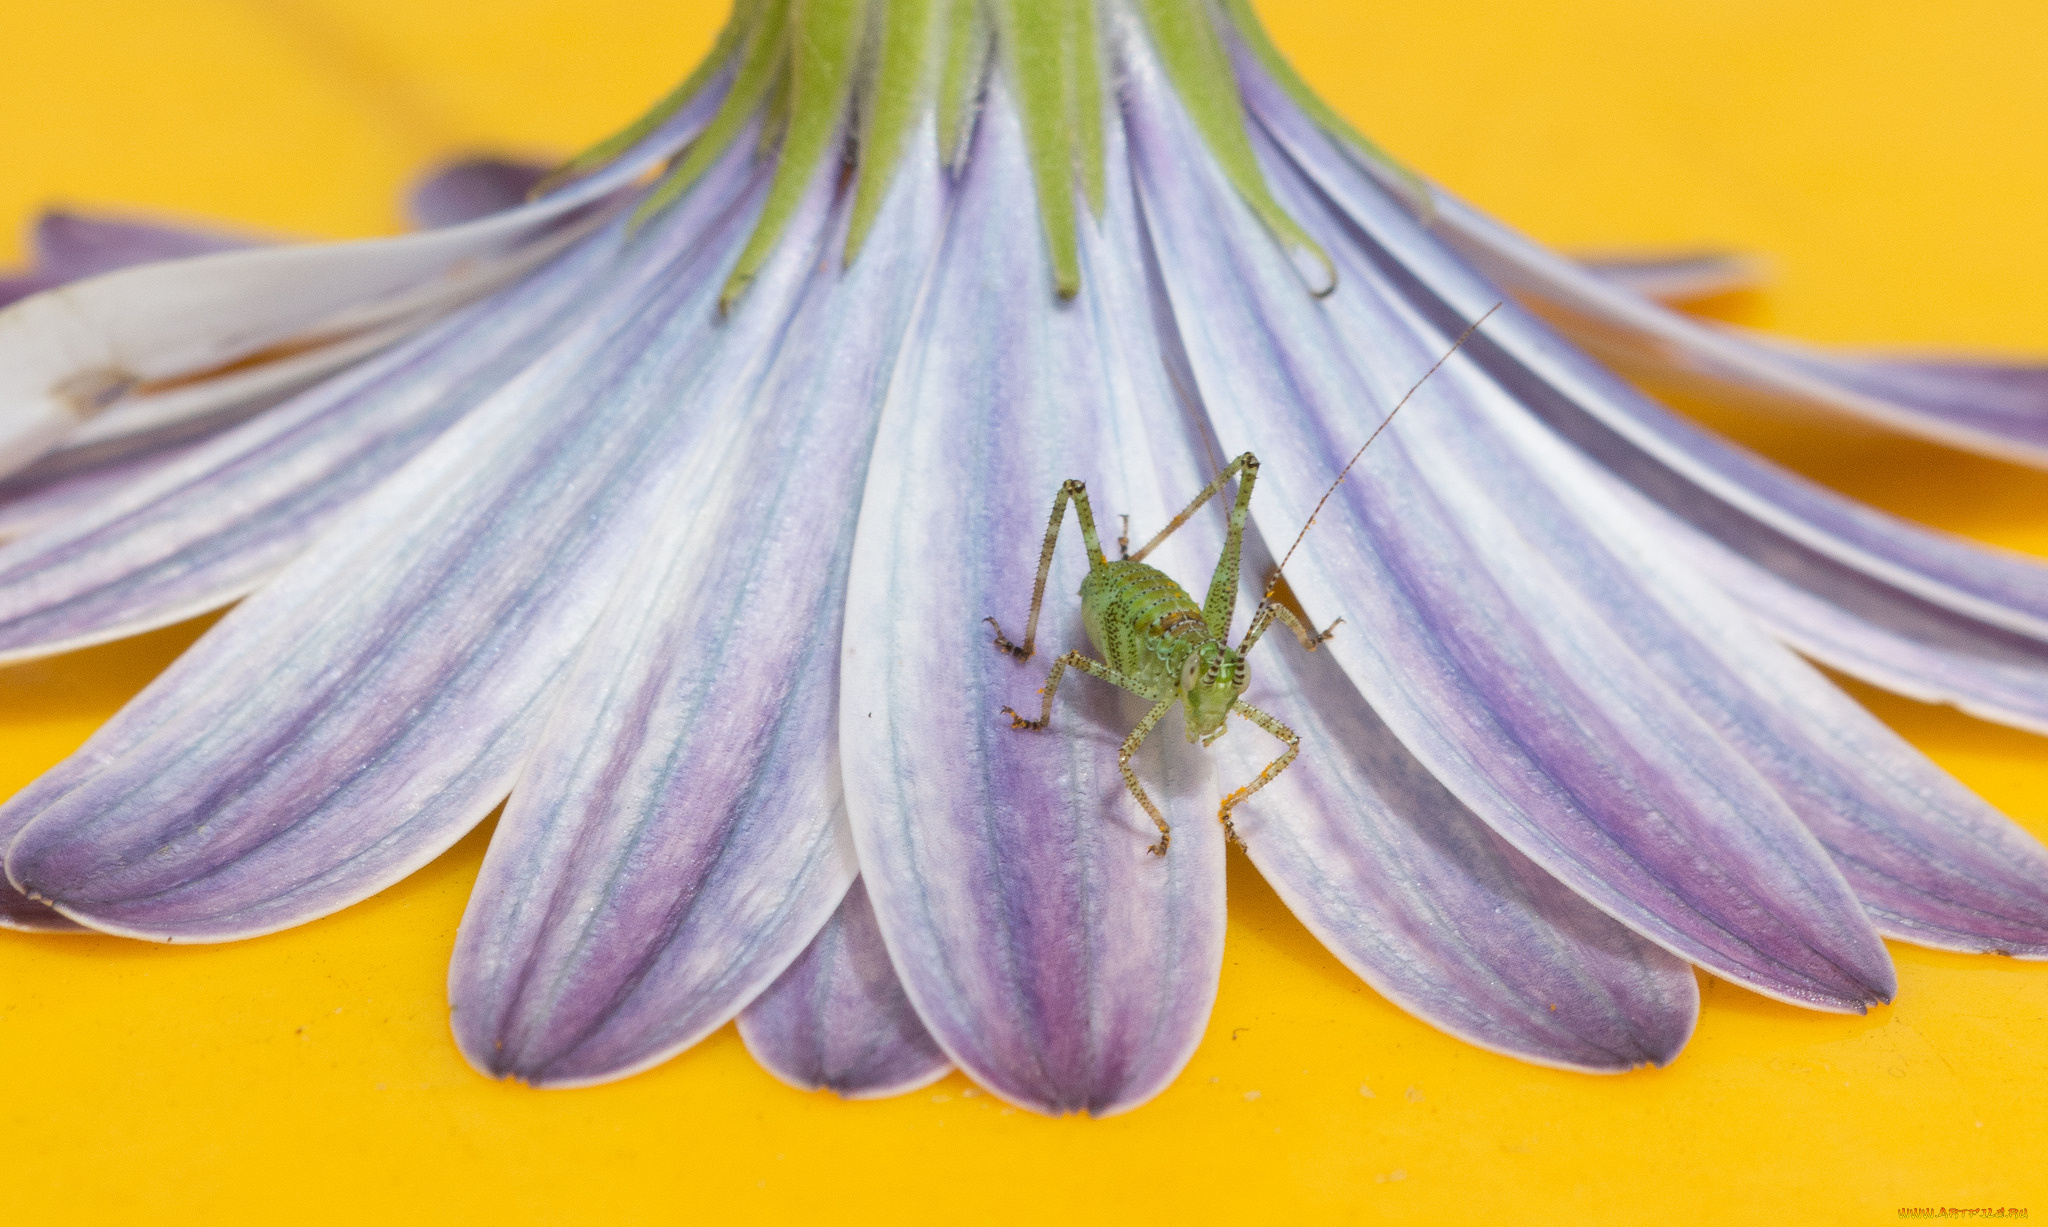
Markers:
<point>1889,155</point>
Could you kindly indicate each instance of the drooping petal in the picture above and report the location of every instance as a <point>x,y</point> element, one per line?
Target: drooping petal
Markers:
<point>116,447</point>
<point>1495,667</point>
<point>1049,955</point>
<point>838,1018</point>
<point>2005,400</point>
<point>67,246</point>
<point>1428,905</point>
<point>1855,622</point>
<point>210,526</point>
<point>679,835</point>
<point>1997,409</point>
<point>466,190</point>
<point>376,699</point>
<point>1680,277</point>
<point>1851,578</point>
<point>69,355</point>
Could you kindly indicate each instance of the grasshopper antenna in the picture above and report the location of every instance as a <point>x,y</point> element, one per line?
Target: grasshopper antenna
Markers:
<point>1456,345</point>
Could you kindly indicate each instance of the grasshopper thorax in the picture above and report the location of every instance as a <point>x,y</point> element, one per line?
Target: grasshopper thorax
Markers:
<point>1210,682</point>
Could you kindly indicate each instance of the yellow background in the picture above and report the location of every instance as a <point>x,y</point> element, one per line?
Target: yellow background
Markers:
<point>1889,156</point>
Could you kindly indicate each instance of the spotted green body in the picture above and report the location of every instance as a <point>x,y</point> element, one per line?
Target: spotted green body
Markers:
<point>1157,643</point>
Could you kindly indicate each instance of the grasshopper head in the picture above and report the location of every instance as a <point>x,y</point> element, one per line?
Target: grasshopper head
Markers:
<point>1210,682</point>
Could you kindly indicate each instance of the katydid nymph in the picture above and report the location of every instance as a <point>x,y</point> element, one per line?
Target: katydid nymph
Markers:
<point>1158,644</point>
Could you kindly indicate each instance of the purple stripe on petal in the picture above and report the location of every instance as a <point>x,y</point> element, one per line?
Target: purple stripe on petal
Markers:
<point>839,1019</point>
<point>353,718</point>
<point>678,836</point>
<point>1493,666</point>
<point>1048,954</point>
<point>32,501</point>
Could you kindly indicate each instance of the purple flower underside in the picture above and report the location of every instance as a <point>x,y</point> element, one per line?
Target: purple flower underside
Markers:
<point>705,594</point>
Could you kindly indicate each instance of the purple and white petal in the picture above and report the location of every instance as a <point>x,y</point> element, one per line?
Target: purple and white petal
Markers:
<point>1496,668</point>
<point>1932,862</point>
<point>1427,904</point>
<point>1049,955</point>
<point>1679,277</point>
<point>37,499</point>
<point>217,521</point>
<point>679,835</point>
<point>1857,624</point>
<point>72,354</point>
<point>348,722</point>
<point>70,246</point>
<point>2006,400</point>
<point>1997,587</point>
<point>1998,409</point>
<point>838,1018</point>
<point>66,246</point>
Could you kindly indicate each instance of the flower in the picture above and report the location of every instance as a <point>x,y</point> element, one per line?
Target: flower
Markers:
<point>675,513</point>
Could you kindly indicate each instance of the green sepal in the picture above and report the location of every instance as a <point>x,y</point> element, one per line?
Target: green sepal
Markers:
<point>745,14</point>
<point>760,64</point>
<point>1084,98</point>
<point>1411,186</point>
<point>774,115</point>
<point>1037,37</point>
<point>1200,70</point>
<point>825,55</point>
<point>960,76</point>
<point>897,97</point>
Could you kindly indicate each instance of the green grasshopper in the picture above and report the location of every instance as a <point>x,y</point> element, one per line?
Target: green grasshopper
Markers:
<point>1158,644</point>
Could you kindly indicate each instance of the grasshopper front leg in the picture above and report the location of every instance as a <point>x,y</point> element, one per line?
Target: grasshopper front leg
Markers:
<point>1094,668</point>
<point>1076,491</point>
<point>1272,771</point>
